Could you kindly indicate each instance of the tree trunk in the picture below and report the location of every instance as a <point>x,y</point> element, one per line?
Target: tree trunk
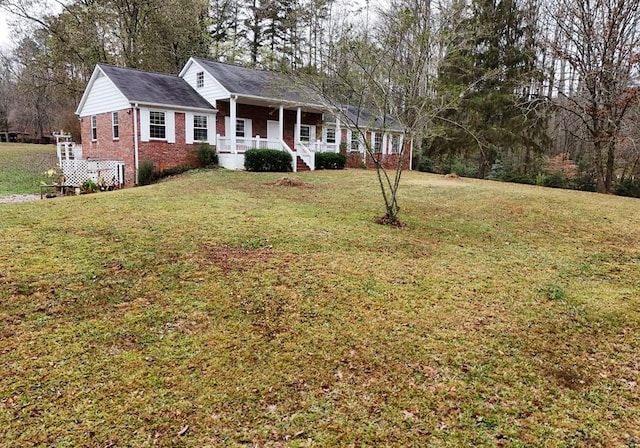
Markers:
<point>611,154</point>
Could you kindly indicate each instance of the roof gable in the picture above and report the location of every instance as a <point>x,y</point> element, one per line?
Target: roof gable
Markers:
<point>154,88</point>
<point>258,83</point>
<point>100,95</point>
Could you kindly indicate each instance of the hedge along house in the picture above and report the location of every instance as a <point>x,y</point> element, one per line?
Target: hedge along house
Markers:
<point>132,116</point>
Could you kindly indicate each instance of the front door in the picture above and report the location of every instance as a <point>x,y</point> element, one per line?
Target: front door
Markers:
<point>273,130</point>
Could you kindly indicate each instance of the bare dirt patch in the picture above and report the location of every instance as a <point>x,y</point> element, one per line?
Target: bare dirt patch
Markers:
<point>290,182</point>
<point>236,258</point>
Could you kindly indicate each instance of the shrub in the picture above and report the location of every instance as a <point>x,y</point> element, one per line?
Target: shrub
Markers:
<point>89,186</point>
<point>426,165</point>
<point>556,180</point>
<point>628,187</point>
<point>207,156</point>
<point>146,173</point>
<point>330,161</point>
<point>271,160</point>
<point>584,182</point>
<point>172,171</point>
<point>459,167</point>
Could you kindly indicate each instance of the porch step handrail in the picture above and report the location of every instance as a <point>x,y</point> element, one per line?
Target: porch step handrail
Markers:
<point>306,155</point>
<point>294,165</point>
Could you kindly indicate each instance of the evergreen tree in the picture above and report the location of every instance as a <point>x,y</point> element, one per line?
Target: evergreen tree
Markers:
<point>490,64</point>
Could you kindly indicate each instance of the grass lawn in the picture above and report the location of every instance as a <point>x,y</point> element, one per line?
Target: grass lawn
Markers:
<point>215,309</point>
<point>22,166</point>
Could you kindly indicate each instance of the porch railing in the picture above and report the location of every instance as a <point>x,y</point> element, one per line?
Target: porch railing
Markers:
<point>321,146</point>
<point>225,145</point>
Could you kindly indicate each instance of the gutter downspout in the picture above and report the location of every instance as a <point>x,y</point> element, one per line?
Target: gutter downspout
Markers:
<point>135,141</point>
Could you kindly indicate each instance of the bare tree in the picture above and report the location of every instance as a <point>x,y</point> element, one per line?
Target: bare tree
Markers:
<point>382,78</point>
<point>599,42</point>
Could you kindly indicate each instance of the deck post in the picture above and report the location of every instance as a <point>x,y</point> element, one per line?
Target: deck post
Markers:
<point>233,118</point>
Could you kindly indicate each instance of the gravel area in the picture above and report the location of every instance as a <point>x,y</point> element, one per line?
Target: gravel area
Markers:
<point>14,198</point>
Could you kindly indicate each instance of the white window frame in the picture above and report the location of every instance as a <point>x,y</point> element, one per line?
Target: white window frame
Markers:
<point>377,142</point>
<point>198,126</point>
<point>395,144</point>
<point>307,138</point>
<point>155,114</point>
<point>328,139</point>
<point>241,133</point>
<point>94,128</point>
<point>355,137</point>
<point>115,125</point>
<point>200,80</point>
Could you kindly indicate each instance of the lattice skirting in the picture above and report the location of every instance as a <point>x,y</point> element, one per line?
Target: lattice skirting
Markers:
<point>102,172</point>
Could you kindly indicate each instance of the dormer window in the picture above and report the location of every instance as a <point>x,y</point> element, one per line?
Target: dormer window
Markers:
<point>200,80</point>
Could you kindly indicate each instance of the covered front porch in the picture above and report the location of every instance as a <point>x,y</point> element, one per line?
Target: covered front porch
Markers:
<point>255,123</point>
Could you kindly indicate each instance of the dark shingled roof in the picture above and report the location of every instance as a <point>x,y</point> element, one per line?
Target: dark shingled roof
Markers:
<point>365,118</point>
<point>154,88</point>
<point>258,83</point>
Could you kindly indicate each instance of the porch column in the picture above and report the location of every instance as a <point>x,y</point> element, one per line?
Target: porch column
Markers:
<point>338,134</point>
<point>233,118</point>
<point>298,120</point>
<point>281,122</point>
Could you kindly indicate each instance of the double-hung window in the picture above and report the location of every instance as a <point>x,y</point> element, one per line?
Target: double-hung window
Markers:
<point>157,125</point>
<point>377,142</point>
<point>355,142</point>
<point>200,128</point>
<point>94,127</point>
<point>240,128</point>
<point>305,133</point>
<point>114,125</point>
<point>395,144</point>
<point>331,135</point>
<point>199,80</point>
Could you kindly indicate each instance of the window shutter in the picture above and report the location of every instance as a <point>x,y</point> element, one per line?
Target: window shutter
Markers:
<point>171,126</point>
<point>248,132</point>
<point>144,125</point>
<point>312,134</point>
<point>188,126</point>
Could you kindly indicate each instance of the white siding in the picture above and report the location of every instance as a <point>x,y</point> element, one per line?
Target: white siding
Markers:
<point>212,89</point>
<point>103,97</point>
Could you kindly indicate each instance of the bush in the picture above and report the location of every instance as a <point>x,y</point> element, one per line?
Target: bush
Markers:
<point>585,182</point>
<point>330,161</point>
<point>146,174</point>
<point>628,187</point>
<point>271,160</point>
<point>459,167</point>
<point>207,156</point>
<point>426,165</point>
<point>174,171</point>
<point>556,180</point>
<point>89,186</point>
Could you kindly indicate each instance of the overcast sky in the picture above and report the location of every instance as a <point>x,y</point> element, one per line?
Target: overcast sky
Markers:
<point>4,29</point>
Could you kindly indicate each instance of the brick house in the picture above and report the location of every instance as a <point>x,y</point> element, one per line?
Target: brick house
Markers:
<point>132,116</point>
